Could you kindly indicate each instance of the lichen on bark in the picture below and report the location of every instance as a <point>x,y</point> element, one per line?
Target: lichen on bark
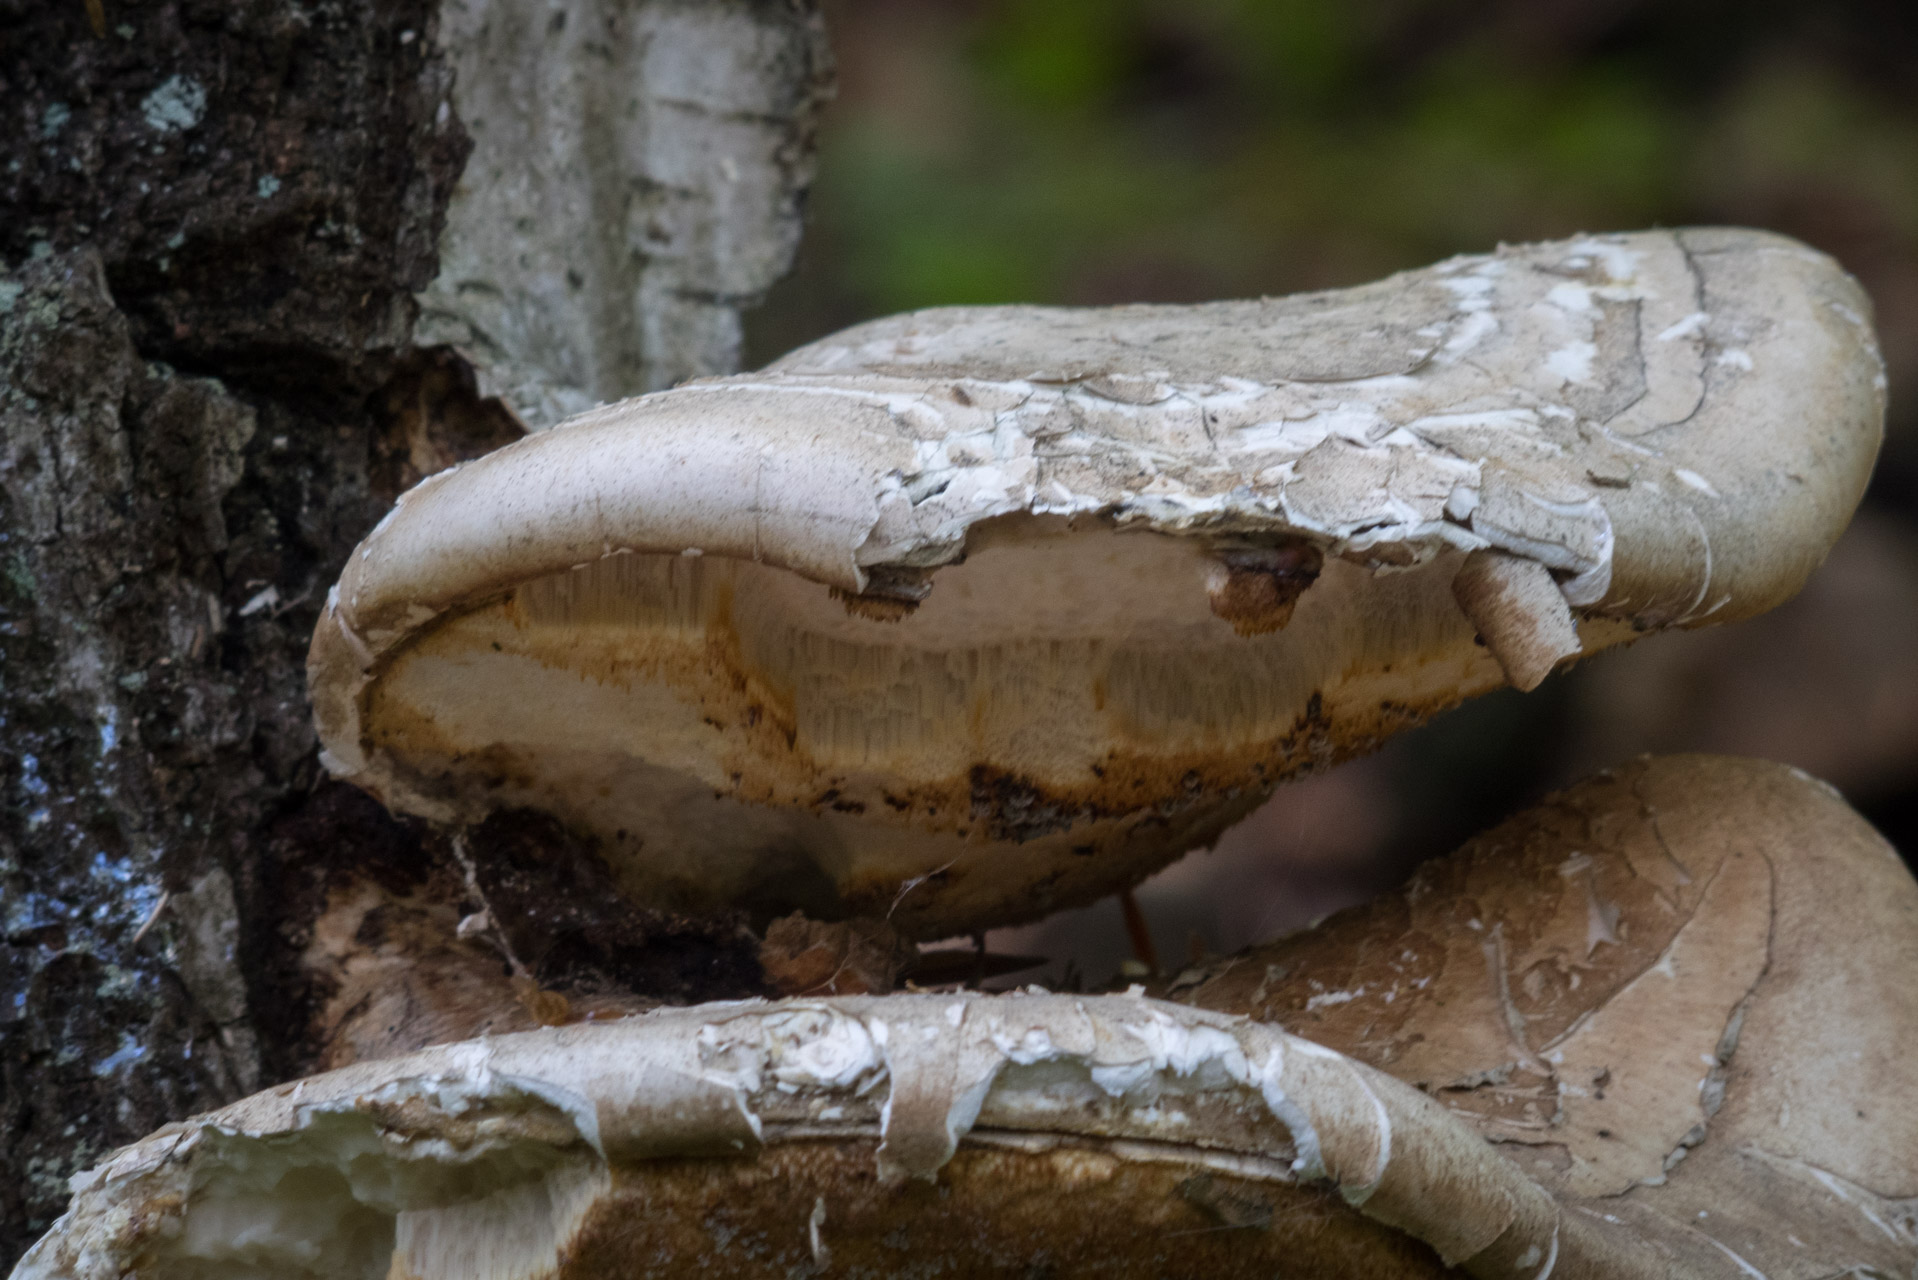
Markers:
<point>142,732</point>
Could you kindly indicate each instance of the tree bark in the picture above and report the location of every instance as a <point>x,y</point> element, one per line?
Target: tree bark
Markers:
<point>253,285</point>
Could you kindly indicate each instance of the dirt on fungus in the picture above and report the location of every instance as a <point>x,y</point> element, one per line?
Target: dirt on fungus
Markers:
<point>1070,1210</point>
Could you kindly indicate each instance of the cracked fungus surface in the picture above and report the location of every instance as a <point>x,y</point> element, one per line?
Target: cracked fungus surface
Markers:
<point>1556,940</point>
<point>969,615</point>
<point>1675,994</point>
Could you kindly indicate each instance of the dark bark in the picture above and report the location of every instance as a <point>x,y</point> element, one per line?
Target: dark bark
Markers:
<point>214,221</point>
<point>265,182</point>
<point>242,193</point>
<point>166,541</point>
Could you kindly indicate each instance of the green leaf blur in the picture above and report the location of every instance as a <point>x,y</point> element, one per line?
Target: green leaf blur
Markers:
<point>1092,151</point>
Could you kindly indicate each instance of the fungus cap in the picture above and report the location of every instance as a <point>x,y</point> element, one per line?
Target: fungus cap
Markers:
<point>1731,1094</point>
<point>966,615</point>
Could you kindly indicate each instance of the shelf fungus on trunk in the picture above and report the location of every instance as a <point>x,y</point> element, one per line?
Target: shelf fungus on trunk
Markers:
<point>966,615</point>
<point>1657,1029</point>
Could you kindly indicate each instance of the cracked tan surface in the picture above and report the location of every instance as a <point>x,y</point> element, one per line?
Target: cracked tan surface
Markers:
<point>1678,994</point>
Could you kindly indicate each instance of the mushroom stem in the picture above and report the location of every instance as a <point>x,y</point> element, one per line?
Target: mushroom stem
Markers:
<point>1518,610</point>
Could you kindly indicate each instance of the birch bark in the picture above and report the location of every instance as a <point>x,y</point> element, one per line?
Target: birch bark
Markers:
<point>261,266</point>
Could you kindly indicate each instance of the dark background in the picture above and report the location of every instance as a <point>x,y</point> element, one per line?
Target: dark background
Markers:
<point>1097,151</point>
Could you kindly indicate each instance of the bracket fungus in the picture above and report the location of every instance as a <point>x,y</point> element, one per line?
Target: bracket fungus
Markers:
<point>958,617</point>
<point>1728,1093</point>
<point>966,615</point>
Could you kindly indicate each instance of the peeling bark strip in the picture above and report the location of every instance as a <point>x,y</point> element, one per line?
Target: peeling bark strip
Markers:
<point>214,221</point>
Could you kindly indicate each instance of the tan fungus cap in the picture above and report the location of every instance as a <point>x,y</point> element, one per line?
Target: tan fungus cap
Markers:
<point>966,615</point>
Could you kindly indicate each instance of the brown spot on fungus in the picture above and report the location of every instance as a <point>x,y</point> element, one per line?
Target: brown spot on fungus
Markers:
<point>1259,586</point>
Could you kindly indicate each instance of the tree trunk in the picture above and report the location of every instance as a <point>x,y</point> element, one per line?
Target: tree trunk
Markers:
<point>265,263</point>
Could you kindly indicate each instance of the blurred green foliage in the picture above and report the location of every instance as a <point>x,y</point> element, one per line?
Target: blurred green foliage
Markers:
<point>1164,150</point>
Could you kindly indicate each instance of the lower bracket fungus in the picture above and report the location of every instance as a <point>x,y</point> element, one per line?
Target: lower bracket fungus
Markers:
<point>1726,1092</point>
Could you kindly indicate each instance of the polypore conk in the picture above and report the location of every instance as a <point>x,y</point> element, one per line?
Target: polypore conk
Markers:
<point>1659,1029</point>
<point>970,614</point>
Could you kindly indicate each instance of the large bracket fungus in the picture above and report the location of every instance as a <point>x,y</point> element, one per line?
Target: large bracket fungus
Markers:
<point>966,615</point>
<point>961,616</point>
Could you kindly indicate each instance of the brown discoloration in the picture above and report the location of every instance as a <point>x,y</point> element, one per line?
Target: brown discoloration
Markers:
<point>891,594</point>
<point>398,977</point>
<point>804,957</point>
<point>876,608</point>
<point>1136,815</point>
<point>1259,586</point>
<point>431,416</point>
<point>1074,1210</point>
<point>1015,808</point>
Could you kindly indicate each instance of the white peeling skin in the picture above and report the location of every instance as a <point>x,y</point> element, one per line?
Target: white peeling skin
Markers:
<point>1064,482</point>
<point>1519,613</point>
<point>451,1157</point>
<point>1589,359</point>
